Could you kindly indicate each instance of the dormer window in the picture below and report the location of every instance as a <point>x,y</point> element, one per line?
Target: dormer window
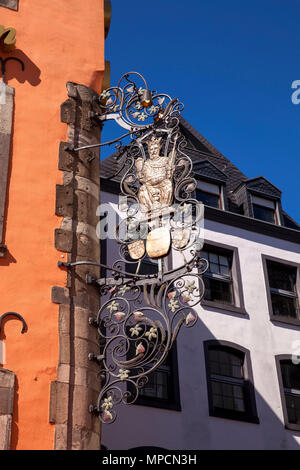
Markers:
<point>210,194</point>
<point>264,209</point>
<point>211,184</point>
<point>260,199</point>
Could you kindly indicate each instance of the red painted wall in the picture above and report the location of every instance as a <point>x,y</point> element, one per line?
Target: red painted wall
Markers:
<point>58,41</point>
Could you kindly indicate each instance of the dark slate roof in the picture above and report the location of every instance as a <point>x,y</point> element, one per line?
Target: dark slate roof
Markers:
<point>200,151</point>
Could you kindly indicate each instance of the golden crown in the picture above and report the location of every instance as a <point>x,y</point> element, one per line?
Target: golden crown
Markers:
<point>154,140</point>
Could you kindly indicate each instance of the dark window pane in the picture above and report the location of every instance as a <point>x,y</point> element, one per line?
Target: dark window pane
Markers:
<point>293,408</point>
<point>213,258</point>
<point>228,387</point>
<point>147,267</point>
<point>239,405</point>
<point>215,367</point>
<point>216,388</point>
<point>158,385</point>
<point>214,268</point>
<point>263,213</point>
<point>284,306</point>
<point>238,392</point>
<point>228,397</point>
<point>291,382</point>
<point>224,271</point>
<point>217,290</point>
<point>228,403</point>
<point>226,363</point>
<point>217,279</point>
<point>290,375</point>
<point>224,261</point>
<point>218,263</point>
<point>281,276</point>
<point>207,198</point>
<point>218,401</point>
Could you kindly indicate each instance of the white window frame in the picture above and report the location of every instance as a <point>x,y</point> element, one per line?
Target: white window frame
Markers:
<point>268,203</point>
<point>212,188</point>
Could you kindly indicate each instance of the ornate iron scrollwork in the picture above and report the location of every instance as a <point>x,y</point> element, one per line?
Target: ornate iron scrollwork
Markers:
<point>138,326</point>
<point>141,314</point>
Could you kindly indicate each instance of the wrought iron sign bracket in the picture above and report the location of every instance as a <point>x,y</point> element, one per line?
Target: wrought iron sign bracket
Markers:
<point>141,315</point>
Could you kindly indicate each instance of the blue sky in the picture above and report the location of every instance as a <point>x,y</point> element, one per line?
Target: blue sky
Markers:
<point>232,64</point>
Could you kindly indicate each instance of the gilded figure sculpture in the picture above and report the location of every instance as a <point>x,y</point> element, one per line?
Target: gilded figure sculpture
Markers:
<point>155,175</point>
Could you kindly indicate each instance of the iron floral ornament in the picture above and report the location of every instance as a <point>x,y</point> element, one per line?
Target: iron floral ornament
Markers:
<point>137,335</point>
<point>142,313</point>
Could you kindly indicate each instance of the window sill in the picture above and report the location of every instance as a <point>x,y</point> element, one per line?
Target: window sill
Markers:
<point>292,427</point>
<point>245,418</point>
<point>286,320</point>
<point>157,404</point>
<point>227,307</point>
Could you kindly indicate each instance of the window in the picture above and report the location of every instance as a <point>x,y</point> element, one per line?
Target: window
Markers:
<point>289,381</point>
<point>229,381</point>
<point>158,385</point>
<point>281,283</point>
<point>218,280</point>
<point>162,388</point>
<point>263,213</point>
<point>222,280</point>
<point>264,209</point>
<point>208,193</point>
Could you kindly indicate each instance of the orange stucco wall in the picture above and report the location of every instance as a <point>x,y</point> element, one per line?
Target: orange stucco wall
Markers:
<point>58,41</point>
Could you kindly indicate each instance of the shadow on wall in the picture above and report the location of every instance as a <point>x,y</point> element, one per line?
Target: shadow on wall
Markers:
<point>8,258</point>
<point>31,73</point>
<point>193,428</point>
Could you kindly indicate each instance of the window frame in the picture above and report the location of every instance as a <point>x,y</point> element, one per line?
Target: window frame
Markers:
<point>266,203</point>
<point>254,205</point>
<point>252,416</point>
<point>281,318</point>
<point>278,359</point>
<point>238,305</point>
<point>206,190</point>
